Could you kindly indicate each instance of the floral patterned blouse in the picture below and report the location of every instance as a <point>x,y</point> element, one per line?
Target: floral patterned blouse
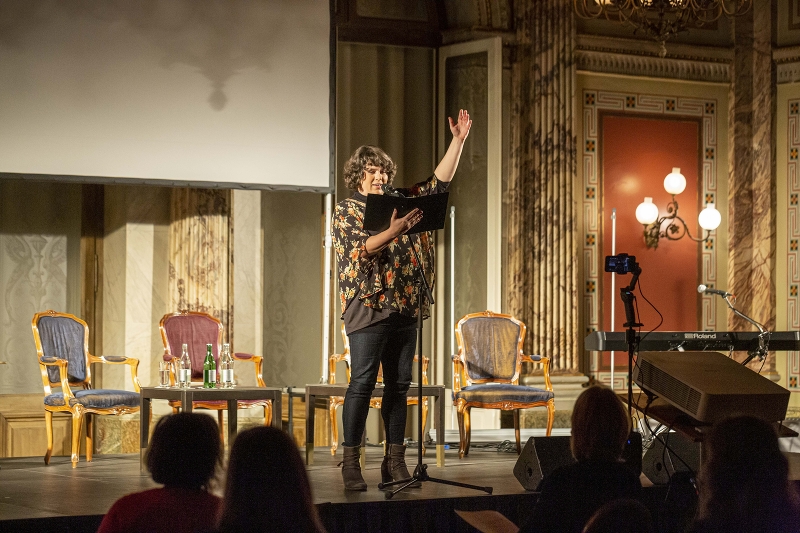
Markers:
<point>386,281</point>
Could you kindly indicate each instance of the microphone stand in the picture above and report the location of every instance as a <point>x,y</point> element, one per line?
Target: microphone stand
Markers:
<point>628,298</point>
<point>761,350</point>
<point>421,471</point>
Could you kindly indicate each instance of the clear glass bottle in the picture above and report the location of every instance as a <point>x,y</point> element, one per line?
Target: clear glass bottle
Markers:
<point>226,367</point>
<point>209,369</point>
<point>184,367</point>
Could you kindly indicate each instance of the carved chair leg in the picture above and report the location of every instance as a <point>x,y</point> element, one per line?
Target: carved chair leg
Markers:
<point>516,430</point>
<point>334,429</point>
<point>89,436</point>
<point>77,418</point>
<point>460,418</point>
<point>467,432</point>
<point>48,424</point>
<point>268,414</point>
<point>551,414</point>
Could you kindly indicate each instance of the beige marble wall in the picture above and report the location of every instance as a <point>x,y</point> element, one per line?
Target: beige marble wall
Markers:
<point>39,270</point>
<point>247,285</point>
<point>135,289</point>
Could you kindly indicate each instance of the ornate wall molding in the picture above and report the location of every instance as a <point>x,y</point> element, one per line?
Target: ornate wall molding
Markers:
<point>792,301</point>
<point>635,57</point>
<point>652,67</point>
<point>788,72</point>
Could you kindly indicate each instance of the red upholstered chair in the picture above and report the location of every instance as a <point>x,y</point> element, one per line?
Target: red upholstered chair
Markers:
<point>62,347</point>
<point>198,329</point>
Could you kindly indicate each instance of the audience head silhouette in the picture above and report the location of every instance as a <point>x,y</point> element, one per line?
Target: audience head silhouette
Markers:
<point>185,451</point>
<point>744,483</point>
<point>267,488</point>
<point>600,425</point>
<point>184,454</point>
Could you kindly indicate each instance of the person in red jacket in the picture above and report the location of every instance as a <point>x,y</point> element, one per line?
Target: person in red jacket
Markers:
<point>184,455</point>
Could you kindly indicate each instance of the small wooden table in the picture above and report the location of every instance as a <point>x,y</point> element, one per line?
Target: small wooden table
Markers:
<point>436,392</point>
<point>191,394</point>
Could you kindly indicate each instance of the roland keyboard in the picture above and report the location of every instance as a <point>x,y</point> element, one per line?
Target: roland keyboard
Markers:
<point>694,341</point>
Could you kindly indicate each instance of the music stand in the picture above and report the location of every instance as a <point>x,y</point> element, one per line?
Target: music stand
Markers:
<point>376,218</point>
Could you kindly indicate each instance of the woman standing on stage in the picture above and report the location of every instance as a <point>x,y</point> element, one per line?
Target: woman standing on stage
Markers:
<point>380,297</point>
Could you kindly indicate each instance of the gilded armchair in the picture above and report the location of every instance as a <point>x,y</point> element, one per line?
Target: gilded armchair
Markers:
<point>337,401</point>
<point>486,372</point>
<point>62,349</point>
<point>198,329</point>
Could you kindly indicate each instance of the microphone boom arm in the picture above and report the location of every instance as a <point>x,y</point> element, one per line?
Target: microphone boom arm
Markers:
<point>763,335</point>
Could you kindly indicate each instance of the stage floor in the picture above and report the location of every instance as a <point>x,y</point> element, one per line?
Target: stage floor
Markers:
<point>29,489</point>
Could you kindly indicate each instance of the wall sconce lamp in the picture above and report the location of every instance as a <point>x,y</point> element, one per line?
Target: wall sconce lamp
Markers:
<point>675,228</point>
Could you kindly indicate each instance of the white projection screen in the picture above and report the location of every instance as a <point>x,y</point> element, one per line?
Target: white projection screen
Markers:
<point>204,93</point>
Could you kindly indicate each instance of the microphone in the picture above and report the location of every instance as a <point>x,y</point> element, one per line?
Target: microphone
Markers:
<point>390,191</point>
<point>702,288</point>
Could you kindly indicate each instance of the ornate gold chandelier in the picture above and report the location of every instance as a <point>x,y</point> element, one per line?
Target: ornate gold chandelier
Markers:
<point>661,19</point>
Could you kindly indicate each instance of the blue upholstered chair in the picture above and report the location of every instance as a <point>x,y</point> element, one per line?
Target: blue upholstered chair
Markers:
<point>486,372</point>
<point>62,346</point>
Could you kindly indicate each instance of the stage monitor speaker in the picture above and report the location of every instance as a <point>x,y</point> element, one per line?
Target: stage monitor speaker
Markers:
<point>632,453</point>
<point>708,386</point>
<point>659,464</point>
<point>539,458</point>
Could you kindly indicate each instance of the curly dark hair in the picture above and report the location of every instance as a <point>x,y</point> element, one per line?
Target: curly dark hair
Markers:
<point>185,451</point>
<point>363,156</point>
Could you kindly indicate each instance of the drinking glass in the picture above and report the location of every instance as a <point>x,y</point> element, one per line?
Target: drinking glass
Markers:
<point>163,374</point>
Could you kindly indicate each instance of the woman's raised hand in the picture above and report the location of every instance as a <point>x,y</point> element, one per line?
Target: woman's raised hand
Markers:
<point>460,128</point>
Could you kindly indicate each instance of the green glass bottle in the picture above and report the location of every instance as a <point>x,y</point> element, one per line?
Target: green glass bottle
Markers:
<point>209,369</point>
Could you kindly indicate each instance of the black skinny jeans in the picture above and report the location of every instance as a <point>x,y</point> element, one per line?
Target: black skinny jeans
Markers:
<point>390,342</point>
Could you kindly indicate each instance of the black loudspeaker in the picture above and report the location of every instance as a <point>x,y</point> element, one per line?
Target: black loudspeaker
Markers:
<point>680,455</point>
<point>632,453</point>
<point>539,458</point>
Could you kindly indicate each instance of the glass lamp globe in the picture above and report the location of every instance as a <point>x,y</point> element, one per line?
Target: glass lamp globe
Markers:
<point>647,212</point>
<point>675,183</point>
<point>709,218</point>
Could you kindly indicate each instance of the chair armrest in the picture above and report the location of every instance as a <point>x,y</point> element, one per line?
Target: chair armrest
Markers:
<point>62,374</point>
<point>132,362</point>
<point>458,371</point>
<point>332,360</point>
<point>258,362</point>
<point>545,362</point>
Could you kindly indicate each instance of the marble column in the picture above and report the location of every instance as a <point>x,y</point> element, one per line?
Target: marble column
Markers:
<point>541,277</point>
<point>752,175</point>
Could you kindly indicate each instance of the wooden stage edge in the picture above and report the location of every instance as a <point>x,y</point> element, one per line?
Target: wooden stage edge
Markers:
<point>35,497</point>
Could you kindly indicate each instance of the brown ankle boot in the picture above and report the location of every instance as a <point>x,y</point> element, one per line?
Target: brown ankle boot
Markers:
<point>394,466</point>
<point>351,469</point>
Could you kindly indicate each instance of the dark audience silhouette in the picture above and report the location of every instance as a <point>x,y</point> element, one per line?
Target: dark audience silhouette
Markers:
<point>743,481</point>
<point>621,516</point>
<point>184,454</point>
<point>267,488</point>
<point>572,494</point>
